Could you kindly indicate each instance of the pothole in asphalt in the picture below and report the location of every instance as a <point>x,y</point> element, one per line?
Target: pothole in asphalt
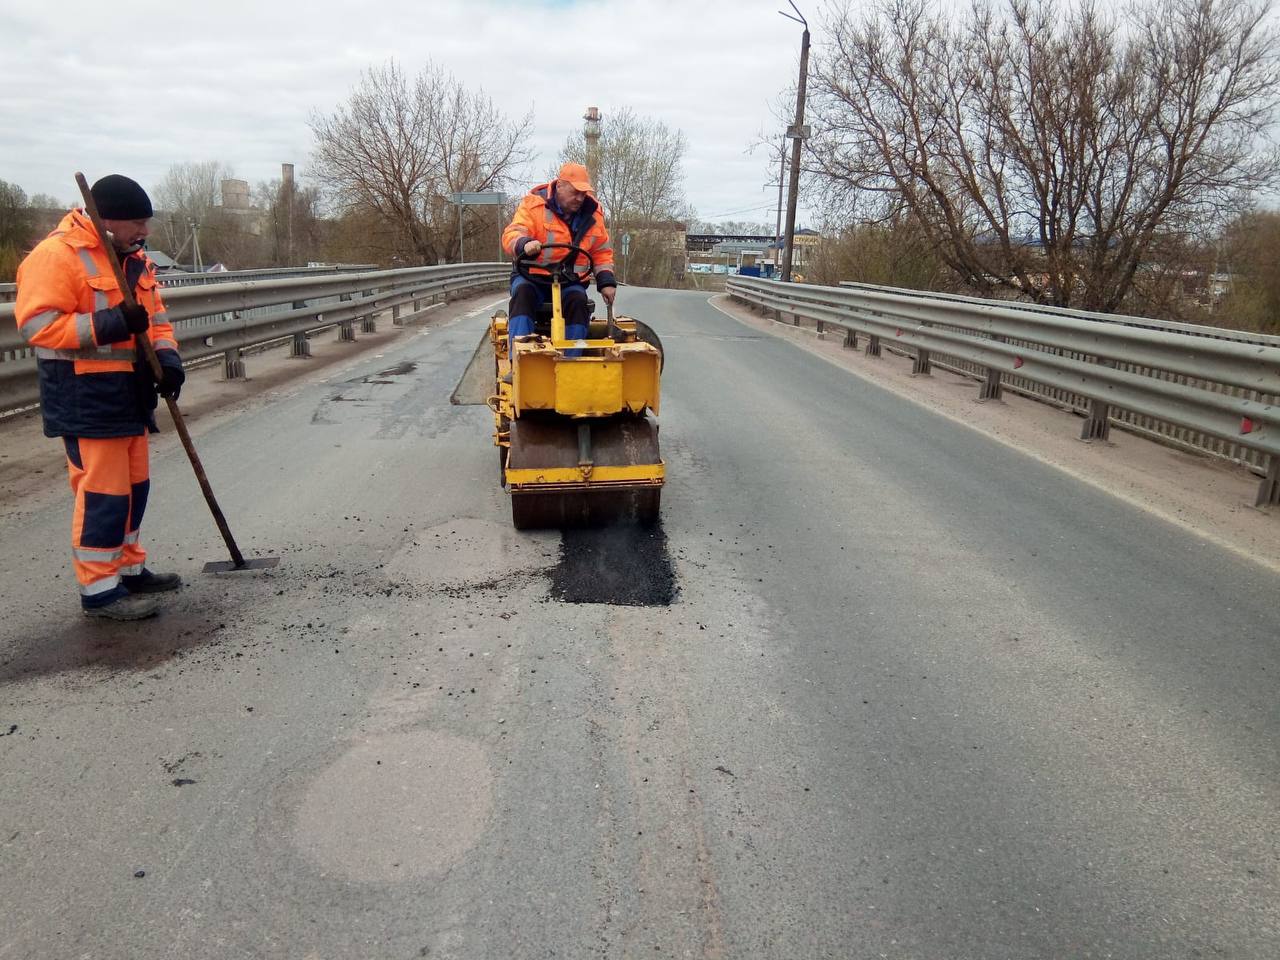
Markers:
<point>623,565</point>
<point>399,370</point>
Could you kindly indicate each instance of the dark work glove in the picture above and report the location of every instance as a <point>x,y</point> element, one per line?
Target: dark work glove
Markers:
<point>171,380</point>
<point>136,317</point>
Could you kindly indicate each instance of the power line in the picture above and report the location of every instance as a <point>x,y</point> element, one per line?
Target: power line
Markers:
<point>729,213</point>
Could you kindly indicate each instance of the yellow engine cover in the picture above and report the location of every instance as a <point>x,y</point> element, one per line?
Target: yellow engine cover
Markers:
<point>589,388</point>
<point>624,378</point>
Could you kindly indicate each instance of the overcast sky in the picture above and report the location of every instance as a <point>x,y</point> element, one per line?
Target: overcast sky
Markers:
<point>133,89</point>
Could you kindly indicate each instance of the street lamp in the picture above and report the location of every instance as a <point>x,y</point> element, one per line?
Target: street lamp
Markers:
<point>797,133</point>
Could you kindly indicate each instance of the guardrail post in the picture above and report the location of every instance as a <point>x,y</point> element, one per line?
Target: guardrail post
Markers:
<point>795,319</point>
<point>233,365</point>
<point>1097,426</point>
<point>368,324</point>
<point>346,329</point>
<point>395,316</point>
<point>821,330</point>
<point>851,338</point>
<point>301,346</point>
<point>873,345</point>
<point>993,386</point>
<point>921,366</point>
<point>1269,489</point>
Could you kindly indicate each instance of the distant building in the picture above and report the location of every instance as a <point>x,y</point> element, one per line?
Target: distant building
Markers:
<point>165,263</point>
<point>760,255</point>
<point>235,195</point>
<point>237,202</point>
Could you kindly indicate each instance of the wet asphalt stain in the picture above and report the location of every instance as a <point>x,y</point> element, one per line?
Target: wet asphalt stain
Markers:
<point>624,565</point>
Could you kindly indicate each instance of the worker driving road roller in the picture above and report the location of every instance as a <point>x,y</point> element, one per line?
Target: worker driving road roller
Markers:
<point>572,393</point>
<point>562,211</point>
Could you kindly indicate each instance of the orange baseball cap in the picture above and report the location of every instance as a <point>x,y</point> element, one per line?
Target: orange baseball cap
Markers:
<point>576,175</point>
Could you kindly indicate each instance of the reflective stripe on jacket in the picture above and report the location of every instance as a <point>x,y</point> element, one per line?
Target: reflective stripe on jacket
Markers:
<point>92,381</point>
<point>537,219</point>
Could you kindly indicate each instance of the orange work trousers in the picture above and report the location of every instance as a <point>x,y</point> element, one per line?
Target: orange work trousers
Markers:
<point>110,479</point>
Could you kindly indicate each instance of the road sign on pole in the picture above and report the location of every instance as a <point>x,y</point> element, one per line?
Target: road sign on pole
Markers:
<point>477,199</point>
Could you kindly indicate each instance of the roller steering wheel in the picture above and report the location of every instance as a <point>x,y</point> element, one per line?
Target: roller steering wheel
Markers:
<point>561,269</point>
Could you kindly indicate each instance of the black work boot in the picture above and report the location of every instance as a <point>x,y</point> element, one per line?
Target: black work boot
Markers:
<point>148,582</point>
<point>128,607</point>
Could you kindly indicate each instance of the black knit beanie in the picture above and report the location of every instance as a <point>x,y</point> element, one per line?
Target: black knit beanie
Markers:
<point>119,198</point>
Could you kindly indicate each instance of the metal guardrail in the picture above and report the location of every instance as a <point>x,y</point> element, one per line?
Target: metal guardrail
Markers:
<point>227,317</point>
<point>183,278</point>
<point>1214,390</point>
<point>1163,431</point>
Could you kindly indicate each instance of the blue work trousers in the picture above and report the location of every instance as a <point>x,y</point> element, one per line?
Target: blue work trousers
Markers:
<point>527,296</point>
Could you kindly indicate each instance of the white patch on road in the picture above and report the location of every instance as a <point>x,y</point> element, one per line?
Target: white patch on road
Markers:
<point>396,807</point>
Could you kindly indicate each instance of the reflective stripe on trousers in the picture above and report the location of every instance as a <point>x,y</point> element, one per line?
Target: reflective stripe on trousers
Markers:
<point>110,481</point>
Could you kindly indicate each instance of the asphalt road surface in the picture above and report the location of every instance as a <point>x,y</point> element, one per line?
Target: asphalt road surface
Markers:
<point>877,687</point>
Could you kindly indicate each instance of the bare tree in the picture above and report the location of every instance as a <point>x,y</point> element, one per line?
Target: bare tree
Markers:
<point>46,201</point>
<point>754,228</point>
<point>189,192</point>
<point>640,175</point>
<point>398,148</point>
<point>15,229</point>
<point>1248,260</point>
<point>292,227</point>
<point>1047,148</point>
<point>15,215</point>
<point>639,179</point>
<point>896,253</point>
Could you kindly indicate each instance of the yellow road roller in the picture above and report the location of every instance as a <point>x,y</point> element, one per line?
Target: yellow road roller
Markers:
<point>576,443</point>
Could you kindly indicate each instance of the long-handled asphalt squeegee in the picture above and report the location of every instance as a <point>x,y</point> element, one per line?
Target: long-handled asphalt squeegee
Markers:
<point>237,561</point>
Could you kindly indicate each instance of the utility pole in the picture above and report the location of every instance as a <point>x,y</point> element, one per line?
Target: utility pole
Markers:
<point>782,178</point>
<point>591,133</point>
<point>796,133</point>
<point>197,260</point>
<point>286,182</point>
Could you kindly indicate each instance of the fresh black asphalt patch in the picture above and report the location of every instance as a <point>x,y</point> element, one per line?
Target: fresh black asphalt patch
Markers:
<point>625,565</point>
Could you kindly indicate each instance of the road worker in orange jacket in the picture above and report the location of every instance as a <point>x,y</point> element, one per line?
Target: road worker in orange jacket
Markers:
<point>562,211</point>
<point>96,390</point>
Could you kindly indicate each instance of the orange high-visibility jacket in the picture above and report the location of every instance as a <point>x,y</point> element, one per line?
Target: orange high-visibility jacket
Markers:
<point>93,382</point>
<point>537,218</point>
